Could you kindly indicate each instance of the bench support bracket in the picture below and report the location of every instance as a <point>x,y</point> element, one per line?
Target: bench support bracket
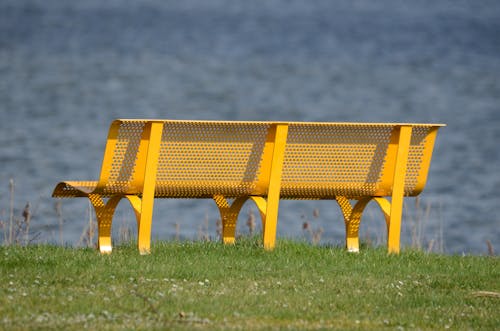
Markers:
<point>143,206</point>
<point>104,211</point>
<point>271,177</point>
<point>352,218</point>
<point>392,210</point>
<point>229,214</point>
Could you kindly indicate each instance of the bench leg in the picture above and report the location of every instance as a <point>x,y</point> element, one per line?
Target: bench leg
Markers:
<point>398,189</point>
<point>261,204</point>
<point>148,174</point>
<point>136,204</point>
<point>271,223</point>
<point>104,212</point>
<point>352,219</point>
<point>144,223</point>
<point>394,228</point>
<point>229,214</point>
<point>393,212</point>
<point>385,205</point>
<point>272,168</point>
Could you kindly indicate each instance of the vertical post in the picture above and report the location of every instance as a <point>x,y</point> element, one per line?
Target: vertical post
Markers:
<point>393,240</point>
<point>273,195</point>
<point>149,184</point>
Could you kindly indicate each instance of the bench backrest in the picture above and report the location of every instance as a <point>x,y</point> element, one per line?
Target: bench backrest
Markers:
<point>321,160</point>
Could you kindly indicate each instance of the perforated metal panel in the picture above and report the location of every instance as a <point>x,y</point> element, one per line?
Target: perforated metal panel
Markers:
<point>74,189</point>
<point>125,155</point>
<point>201,159</point>
<point>123,142</point>
<point>415,158</point>
<point>329,160</point>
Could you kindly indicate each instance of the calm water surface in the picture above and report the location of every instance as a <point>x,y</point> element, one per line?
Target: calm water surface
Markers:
<point>67,69</point>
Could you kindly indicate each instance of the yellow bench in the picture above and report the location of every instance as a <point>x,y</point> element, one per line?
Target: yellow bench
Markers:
<point>231,162</point>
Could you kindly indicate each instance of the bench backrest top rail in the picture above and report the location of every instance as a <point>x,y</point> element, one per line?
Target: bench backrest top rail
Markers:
<point>283,122</point>
<point>198,159</point>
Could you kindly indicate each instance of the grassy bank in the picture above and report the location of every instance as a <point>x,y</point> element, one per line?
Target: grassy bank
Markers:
<point>205,285</point>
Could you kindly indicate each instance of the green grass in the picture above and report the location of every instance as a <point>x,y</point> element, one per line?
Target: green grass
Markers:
<point>204,285</point>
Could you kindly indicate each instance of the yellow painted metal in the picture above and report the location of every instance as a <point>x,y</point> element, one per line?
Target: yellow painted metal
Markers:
<point>136,203</point>
<point>149,185</point>
<point>352,243</point>
<point>385,205</point>
<point>273,194</point>
<point>109,152</point>
<point>103,222</point>
<point>386,183</point>
<point>426,156</point>
<point>270,179</point>
<point>352,219</point>
<point>104,212</point>
<point>398,189</point>
<point>229,214</point>
<point>394,179</point>
<point>261,161</point>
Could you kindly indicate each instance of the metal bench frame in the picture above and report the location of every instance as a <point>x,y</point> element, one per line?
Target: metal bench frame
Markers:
<point>136,149</point>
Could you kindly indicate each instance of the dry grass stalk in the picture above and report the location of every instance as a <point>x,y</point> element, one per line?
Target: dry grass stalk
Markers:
<point>218,228</point>
<point>177,231</point>
<point>431,245</point>
<point>314,234</point>
<point>203,230</point>
<point>11,211</point>
<point>489,294</point>
<point>17,230</point>
<point>491,251</point>
<point>60,220</point>
<point>124,232</point>
<point>27,222</point>
<point>251,222</point>
<point>87,237</point>
<point>418,222</point>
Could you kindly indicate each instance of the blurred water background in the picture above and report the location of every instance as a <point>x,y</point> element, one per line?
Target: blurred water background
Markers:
<point>68,68</point>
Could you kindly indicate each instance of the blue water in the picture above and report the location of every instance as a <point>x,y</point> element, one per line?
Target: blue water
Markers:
<point>67,69</point>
